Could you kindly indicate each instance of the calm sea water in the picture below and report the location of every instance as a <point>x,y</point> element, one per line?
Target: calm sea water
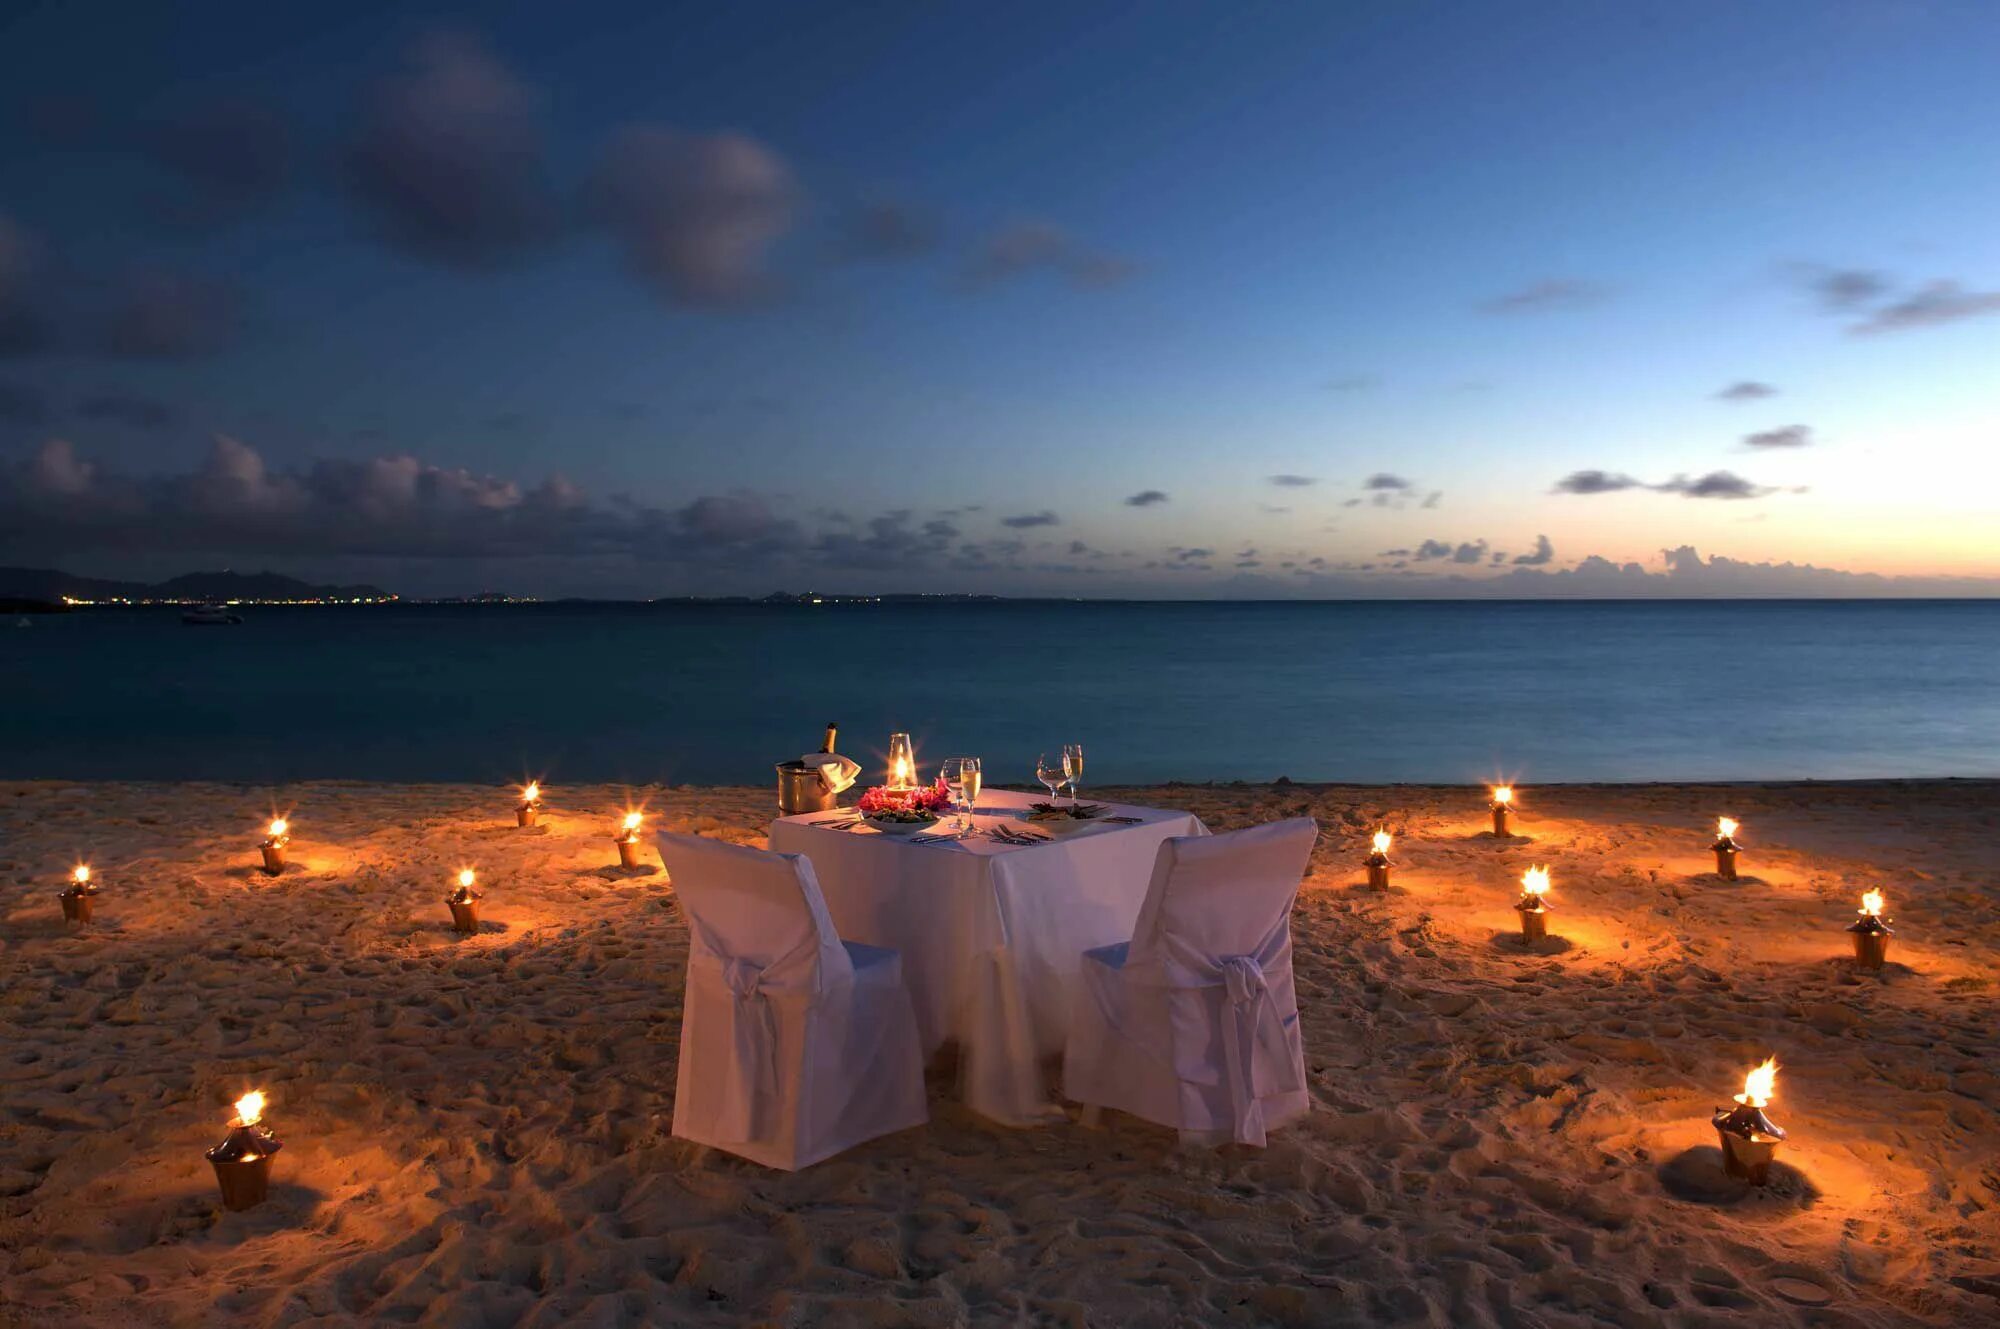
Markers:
<point>1363,692</point>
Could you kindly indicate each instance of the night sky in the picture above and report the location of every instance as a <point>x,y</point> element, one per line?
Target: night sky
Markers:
<point>1163,300</point>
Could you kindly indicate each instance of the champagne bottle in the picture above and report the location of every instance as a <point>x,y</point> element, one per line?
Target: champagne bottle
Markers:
<point>831,728</point>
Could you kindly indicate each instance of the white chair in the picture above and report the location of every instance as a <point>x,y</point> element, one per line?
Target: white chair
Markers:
<point>795,1045</point>
<point>1194,1023</point>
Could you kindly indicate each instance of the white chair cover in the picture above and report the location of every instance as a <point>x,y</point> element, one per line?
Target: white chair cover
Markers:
<point>1194,1023</point>
<point>794,1045</point>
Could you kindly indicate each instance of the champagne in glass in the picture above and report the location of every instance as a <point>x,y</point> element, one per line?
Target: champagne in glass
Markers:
<point>969,773</point>
<point>1073,768</point>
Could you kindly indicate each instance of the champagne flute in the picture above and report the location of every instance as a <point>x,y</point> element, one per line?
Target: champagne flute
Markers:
<point>952,772</point>
<point>1050,773</point>
<point>969,772</point>
<point>1073,769</point>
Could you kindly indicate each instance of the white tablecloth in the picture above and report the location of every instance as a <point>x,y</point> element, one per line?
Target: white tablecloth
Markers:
<point>992,936</point>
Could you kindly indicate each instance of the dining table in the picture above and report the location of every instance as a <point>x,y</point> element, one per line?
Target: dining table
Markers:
<point>991,928</point>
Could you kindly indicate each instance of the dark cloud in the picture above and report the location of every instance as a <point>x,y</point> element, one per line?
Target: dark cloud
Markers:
<point>130,409</point>
<point>1840,290</point>
<point>1595,482</point>
<point>1432,499</point>
<point>1026,520</point>
<point>1716,484</point>
<point>1928,306</point>
<point>27,321</point>
<point>169,316</point>
<point>1430,550</point>
<point>229,156</point>
<point>1544,552</point>
<point>1292,481</point>
<point>1547,295</point>
<point>696,214</point>
<point>1030,246</point>
<point>1747,390</point>
<point>22,404</point>
<point>1146,498</point>
<point>1384,480</point>
<point>887,229</point>
<point>1789,436</point>
<point>1472,551</point>
<point>449,161</point>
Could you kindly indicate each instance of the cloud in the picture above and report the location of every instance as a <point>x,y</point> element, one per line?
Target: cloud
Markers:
<point>22,404</point>
<point>1547,295</point>
<point>1292,481</point>
<point>1432,499</point>
<point>1716,484</point>
<point>1030,519</point>
<point>1384,480</point>
<point>27,323</point>
<point>1929,306</point>
<point>1544,552</point>
<point>1146,498</point>
<point>1747,390</point>
<point>887,229</point>
<point>449,161</point>
<point>1840,290</point>
<point>1472,551</point>
<point>229,156</point>
<point>1790,436</point>
<point>1433,549</point>
<point>169,316</point>
<point>1595,482</point>
<point>129,409</point>
<point>696,214</point>
<point>1028,246</point>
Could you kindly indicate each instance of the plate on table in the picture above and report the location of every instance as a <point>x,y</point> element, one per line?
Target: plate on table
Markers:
<point>901,828</point>
<point>1064,819</point>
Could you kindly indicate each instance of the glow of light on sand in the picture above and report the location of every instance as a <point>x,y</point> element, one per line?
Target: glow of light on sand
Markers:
<point>1535,882</point>
<point>1871,904</point>
<point>80,874</point>
<point>250,1107</point>
<point>465,879</point>
<point>1725,827</point>
<point>531,791</point>
<point>279,826</point>
<point>1760,1086</point>
<point>1381,841</point>
<point>1503,794</point>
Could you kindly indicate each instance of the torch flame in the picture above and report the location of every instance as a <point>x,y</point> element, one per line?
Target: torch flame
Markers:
<point>1503,794</point>
<point>1760,1085</point>
<point>1382,839</point>
<point>279,826</point>
<point>1535,882</point>
<point>250,1107</point>
<point>81,875</point>
<point>1725,827</point>
<point>465,879</point>
<point>633,819</point>
<point>531,791</point>
<point>1871,904</point>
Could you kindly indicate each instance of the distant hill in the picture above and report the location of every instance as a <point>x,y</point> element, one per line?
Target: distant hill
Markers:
<point>49,584</point>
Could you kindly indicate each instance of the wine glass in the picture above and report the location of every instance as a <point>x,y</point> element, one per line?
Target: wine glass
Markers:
<point>969,774</point>
<point>952,772</point>
<point>1073,769</point>
<point>1050,773</point>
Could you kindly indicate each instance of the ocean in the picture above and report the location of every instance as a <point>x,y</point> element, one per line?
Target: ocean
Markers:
<point>1365,692</point>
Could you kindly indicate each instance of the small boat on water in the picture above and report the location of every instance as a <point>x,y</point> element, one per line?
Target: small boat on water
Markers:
<point>210,616</point>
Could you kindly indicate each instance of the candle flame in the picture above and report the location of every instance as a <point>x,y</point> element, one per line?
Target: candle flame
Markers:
<point>250,1107</point>
<point>465,879</point>
<point>279,826</point>
<point>633,819</point>
<point>80,874</point>
<point>1503,794</point>
<point>1535,882</point>
<point>1725,827</point>
<point>1871,904</point>
<point>531,791</point>
<point>1761,1085</point>
<point>1382,840</point>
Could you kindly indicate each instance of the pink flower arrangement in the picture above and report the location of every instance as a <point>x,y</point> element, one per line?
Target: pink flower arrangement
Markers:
<point>934,799</point>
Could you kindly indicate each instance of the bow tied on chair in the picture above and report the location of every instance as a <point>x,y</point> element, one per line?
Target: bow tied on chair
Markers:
<point>1249,1025</point>
<point>753,1078</point>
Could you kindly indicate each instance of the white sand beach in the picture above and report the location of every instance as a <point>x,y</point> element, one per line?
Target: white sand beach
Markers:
<point>476,1129</point>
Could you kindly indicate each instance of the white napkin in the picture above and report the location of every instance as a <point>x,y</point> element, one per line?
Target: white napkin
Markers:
<point>836,772</point>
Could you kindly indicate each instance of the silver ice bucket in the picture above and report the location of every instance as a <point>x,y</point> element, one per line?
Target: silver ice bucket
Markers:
<point>800,790</point>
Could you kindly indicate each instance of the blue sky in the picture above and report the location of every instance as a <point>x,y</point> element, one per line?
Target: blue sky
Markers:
<point>792,295</point>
